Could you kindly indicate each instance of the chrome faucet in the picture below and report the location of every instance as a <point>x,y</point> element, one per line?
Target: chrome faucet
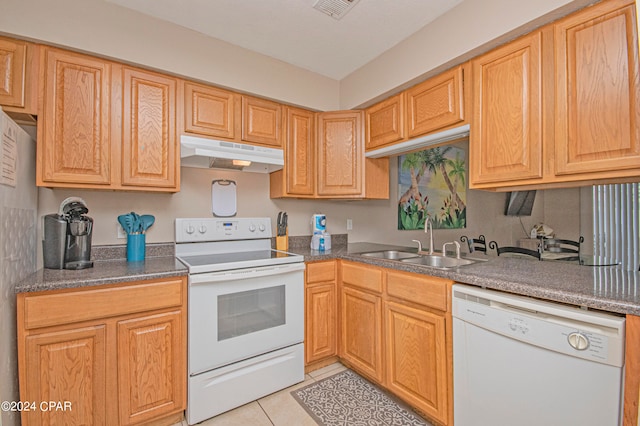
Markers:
<point>444,248</point>
<point>428,224</point>
<point>420,251</point>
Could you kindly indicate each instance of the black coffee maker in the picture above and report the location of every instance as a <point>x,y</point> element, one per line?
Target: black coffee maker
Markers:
<point>67,236</point>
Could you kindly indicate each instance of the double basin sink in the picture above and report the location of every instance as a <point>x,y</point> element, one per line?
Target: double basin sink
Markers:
<point>432,260</point>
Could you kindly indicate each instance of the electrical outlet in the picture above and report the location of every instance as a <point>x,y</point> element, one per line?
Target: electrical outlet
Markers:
<point>121,234</point>
<point>349,224</point>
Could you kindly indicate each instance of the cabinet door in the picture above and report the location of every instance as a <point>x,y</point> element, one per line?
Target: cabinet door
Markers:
<point>299,158</point>
<point>151,366</point>
<point>74,144</point>
<point>148,128</point>
<point>320,322</point>
<point>361,332</point>
<point>13,59</point>
<point>69,366</point>
<point>416,365</point>
<point>209,111</point>
<point>340,154</point>
<point>598,90</point>
<point>435,104</point>
<point>506,132</point>
<point>385,122</point>
<point>261,121</point>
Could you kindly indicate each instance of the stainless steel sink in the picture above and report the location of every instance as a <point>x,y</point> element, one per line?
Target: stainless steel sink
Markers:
<point>391,254</point>
<point>435,261</point>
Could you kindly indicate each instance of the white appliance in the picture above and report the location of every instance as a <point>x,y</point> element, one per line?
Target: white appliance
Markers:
<point>246,313</point>
<point>521,361</point>
<point>214,154</point>
<point>18,217</point>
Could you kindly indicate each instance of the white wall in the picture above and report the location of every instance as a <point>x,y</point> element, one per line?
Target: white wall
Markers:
<point>472,27</point>
<point>113,31</point>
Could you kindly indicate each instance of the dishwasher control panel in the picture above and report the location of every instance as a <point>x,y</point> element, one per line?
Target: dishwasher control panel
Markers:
<point>593,336</point>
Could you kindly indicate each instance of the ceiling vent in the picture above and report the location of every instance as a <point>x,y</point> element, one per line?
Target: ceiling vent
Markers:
<point>335,8</point>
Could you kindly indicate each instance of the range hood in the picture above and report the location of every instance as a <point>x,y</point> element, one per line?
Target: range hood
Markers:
<point>214,154</point>
<point>422,142</point>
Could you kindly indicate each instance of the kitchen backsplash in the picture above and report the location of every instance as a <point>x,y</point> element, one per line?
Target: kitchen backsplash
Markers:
<point>373,220</point>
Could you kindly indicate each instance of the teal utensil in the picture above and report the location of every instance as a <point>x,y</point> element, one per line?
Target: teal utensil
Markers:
<point>146,221</point>
<point>126,221</point>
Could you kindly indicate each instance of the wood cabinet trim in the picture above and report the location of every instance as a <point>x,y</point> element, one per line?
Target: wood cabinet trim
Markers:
<point>209,111</point>
<point>385,122</point>
<point>435,103</point>
<point>421,289</point>
<point>13,61</point>
<point>149,142</point>
<point>45,309</point>
<point>591,114</point>
<point>500,153</point>
<point>261,121</point>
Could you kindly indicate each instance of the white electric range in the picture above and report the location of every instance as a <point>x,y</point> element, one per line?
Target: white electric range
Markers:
<point>246,313</point>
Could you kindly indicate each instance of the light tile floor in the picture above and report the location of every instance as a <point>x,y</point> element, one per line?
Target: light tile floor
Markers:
<point>277,409</point>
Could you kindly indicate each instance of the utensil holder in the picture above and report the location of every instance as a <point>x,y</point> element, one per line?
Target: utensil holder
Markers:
<point>282,242</point>
<point>135,247</point>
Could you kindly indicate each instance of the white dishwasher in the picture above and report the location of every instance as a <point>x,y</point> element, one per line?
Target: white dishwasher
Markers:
<point>519,361</point>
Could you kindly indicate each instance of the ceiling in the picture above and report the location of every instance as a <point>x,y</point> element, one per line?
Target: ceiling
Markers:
<point>296,33</point>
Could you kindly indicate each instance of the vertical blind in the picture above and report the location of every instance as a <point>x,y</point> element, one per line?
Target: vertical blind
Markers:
<point>616,224</point>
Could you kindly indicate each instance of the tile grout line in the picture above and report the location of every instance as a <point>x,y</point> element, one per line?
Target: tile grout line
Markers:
<point>265,413</point>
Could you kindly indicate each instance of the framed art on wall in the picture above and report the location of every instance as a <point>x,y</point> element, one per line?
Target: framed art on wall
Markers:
<point>432,183</point>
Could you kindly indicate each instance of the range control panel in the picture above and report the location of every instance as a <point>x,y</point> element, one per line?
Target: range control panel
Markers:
<point>190,230</point>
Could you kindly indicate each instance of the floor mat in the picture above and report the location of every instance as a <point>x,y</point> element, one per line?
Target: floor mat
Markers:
<point>348,399</point>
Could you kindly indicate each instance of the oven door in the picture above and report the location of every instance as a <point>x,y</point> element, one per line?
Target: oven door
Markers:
<point>238,314</point>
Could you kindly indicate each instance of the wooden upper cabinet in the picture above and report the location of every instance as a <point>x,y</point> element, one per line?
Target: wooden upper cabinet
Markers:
<point>385,122</point>
<point>209,111</point>
<point>506,130</point>
<point>13,60</point>
<point>149,130</point>
<point>74,137</point>
<point>598,90</point>
<point>340,154</point>
<point>299,155</point>
<point>261,121</point>
<point>436,103</point>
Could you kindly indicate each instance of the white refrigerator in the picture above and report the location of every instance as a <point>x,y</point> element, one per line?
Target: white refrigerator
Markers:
<point>18,216</point>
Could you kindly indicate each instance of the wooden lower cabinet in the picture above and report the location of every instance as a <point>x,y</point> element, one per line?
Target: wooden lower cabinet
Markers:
<point>632,372</point>
<point>148,383</point>
<point>321,325</point>
<point>361,332</point>
<point>118,359</point>
<point>396,329</point>
<point>416,358</point>
<point>68,366</point>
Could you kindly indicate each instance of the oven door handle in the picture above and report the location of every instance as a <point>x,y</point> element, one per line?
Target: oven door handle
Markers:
<point>241,274</point>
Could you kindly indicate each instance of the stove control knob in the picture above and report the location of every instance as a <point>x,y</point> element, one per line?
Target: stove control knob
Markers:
<point>262,227</point>
<point>202,229</point>
<point>190,229</point>
<point>252,228</point>
<point>578,341</point>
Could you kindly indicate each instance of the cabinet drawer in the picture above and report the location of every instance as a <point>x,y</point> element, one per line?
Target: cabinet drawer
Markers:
<point>363,276</point>
<point>43,310</point>
<point>425,290</point>
<point>321,272</point>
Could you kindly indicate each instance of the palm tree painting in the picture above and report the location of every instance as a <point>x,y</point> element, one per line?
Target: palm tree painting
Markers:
<point>432,183</point>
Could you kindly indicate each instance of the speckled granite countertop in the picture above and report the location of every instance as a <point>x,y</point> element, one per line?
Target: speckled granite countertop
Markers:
<point>606,288</point>
<point>109,268</point>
